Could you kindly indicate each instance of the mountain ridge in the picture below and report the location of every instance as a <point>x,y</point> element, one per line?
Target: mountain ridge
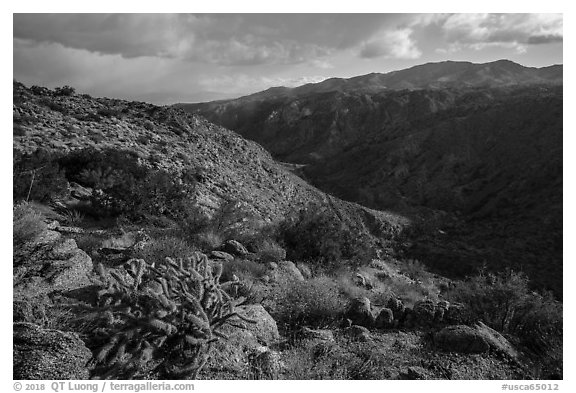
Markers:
<point>404,79</point>
<point>452,147</point>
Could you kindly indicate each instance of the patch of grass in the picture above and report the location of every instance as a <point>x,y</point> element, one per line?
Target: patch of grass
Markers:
<point>208,240</point>
<point>316,302</point>
<point>270,251</point>
<point>166,246</point>
<point>73,217</point>
<point>243,269</point>
<point>27,224</point>
<point>414,269</point>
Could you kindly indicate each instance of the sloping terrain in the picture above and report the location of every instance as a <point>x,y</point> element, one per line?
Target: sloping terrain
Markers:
<point>482,142</point>
<point>112,280</point>
<point>229,167</point>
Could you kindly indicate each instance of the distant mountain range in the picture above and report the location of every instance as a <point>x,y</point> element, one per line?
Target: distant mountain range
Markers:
<point>431,75</point>
<point>479,142</point>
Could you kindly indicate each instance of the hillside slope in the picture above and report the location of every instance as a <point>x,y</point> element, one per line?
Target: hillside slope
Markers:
<point>480,141</point>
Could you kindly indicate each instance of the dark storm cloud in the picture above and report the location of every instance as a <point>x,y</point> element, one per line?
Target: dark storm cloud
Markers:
<point>481,30</point>
<point>220,39</point>
<point>545,39</point>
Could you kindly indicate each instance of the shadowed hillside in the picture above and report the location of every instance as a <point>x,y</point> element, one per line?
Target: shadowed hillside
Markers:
<point>482,142</point>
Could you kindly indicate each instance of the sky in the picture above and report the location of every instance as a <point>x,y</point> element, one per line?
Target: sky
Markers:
<point>169,58</point>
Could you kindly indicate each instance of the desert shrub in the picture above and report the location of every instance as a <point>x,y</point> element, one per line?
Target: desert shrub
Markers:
<point>27,223</point>
<point>414,269</point>
<point>314,234</point>
<point>40,90</point>
<point>72,217</point>
<point>65,91</point>
<point>270,251</point>
<point>148,125</point>
<point>109,112</point>
<point>123,186</point>
<point>53,105</point>
<point>208,240</point>
<point>18,130</point>
<point>233,220</point>
<point>166,246</point>
<point>38,173</point>
<point>243,269</point>
<point>505,302</point>
<point>316,302</point>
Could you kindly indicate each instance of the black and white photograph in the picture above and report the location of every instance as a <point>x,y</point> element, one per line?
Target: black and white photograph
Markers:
<point>287,196</point>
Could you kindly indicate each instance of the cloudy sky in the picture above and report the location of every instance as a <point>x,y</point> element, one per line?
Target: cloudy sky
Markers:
<point>167,58</point>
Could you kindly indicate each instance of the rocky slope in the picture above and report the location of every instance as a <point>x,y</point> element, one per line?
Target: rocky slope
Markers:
<point>231,167</point>
<point>482,142</point>
<point>389,319</point>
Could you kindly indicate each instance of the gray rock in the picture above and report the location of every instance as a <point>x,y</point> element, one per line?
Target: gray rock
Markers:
<point>221,255</point>
<point>65,229</point>
<point>360,312</point>
<point>289,270</point>
<point>58,266</point>
<point>235,248</point>
<point>79,192</point>
<point>456,314</point>
<point>385,319</point>
<point>397,308</point>
<point>305,270</point>
<point>497,342</point>
<point>424,312</point>
<point>462,339</point>
<point>48,354</point>
<point>265,328</point>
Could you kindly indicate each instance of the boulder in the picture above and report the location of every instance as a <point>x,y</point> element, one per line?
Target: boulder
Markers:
<point>66,229</point>
<point>462,339</point>
<point>497,342</point>
<point>265,329</point>
<point>79,192</point>
<point>305,270</point>
<point>397,308</point>
<point>72,271</point>
<point>441,311</point>
<point>385,319</point>
<point>221,255</point>
<point>286,270</point>
<point>424,312</point>
<point>235,248</point>
<point>289,268</point>
<point>55,266</point>
<point>360,312</point>
<point>48,354</point>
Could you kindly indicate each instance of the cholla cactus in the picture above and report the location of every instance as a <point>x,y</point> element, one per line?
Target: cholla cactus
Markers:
<point>169,312</point>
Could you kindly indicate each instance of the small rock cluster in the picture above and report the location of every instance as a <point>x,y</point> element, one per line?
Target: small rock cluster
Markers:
<point>424,314</point>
